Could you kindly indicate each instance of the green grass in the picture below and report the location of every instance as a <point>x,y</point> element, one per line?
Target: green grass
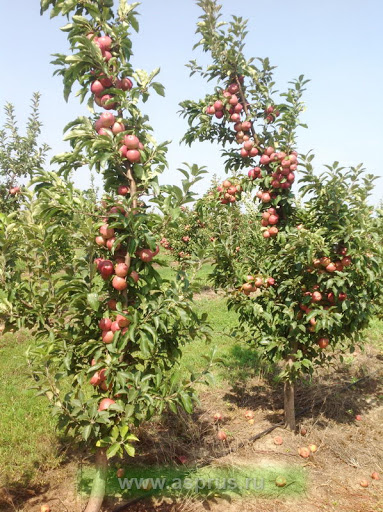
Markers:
<point>27,435</point>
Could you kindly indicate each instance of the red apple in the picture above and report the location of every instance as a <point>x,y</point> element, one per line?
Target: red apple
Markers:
<point>107,336</point>
<point>97,88</point>
<point>105,324</point>
<point>131,141</point>
<point>112,304</point>
<point>316,297</point>
<point>118,128</point>
<point>375,475</point>
<point>106,231</point>
<point>221,435</point>
<point>134,275</point>
<point>95,380</point>
<point>125,84</point>
<point>106,268</point>
<point>45,508</point>
<point>323,342</point>
<point>119,283</point>
<point>100,241</point>
<point>217,416</point>
<point>123,190</point>
<point>331,267</point>
<point>107,119</point>
<point>105,404</point>
<point>278,440</point>
<point>133,155</point>
<point>364,483</point>
<point>122,320</point>
<point>115,327</point>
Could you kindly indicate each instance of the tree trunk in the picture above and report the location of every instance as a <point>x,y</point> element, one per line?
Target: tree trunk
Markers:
<point>289,392</point>
<point>99,483</point>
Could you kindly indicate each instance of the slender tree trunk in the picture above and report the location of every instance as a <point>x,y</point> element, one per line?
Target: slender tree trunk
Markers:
<point>99,483</point>
<point>289,405</point>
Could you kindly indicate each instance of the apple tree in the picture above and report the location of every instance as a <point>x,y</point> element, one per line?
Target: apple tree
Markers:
<point>110,362</point>
<point>20,155</point>
<point>304,287</point>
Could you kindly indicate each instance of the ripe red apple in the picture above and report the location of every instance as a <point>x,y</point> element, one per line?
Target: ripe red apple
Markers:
<point>133,155</point>
<point>258,282</point>
<point>342,296</point>
<point>323,342</point>
<point>125,84</point>
<point>122,320</point>
<point>316,297</point>
<point>105,324</point>
<point>145,255</point>
<point>270,281</point>
<point>221,435</point>
<point>273,219</point>
<point>95,380</point>
<point>110,243</point>
<point>115,327</point>
<point>325,261</point>
<point>249,415</point>
<point>107,336</point>
<point>266,198</point>
<point>264,160</point>
<point>118,128</point>
<point>105,404</point>
<point>100,241</point>
<point>364,483</point>
<point>278,440</point>
<point>246,126</point>
<point>273,231</point>
<point>331,267</point>
<point>233,88</point>
<point>121,269</point>
<point>106,81</point>
<point>112,304</point>
<point>303,431</point>
<point>375,475</point>
<point>346,261</point>
<point>123,190</point>
<point>218,105</point>
<point>266,234</point>
<point>107,119</point>
<point>106,102</point>
<point>106,231</point>
<point>131,141</point>
<point>123,150</point>
<point>106,268</point>
<point>135,276</point>
<point>358,417</point>
<point>97,88</point>
<point>248,288</point>
<point>119,283</point>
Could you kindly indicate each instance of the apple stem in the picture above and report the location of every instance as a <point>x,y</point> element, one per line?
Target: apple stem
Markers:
<point>99,483</point>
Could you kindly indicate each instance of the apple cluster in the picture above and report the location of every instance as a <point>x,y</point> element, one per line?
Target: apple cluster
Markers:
<point>101,85</point>
<point>229,106</point>
<point>325,299</point>
<point>229,192</point>
<point>254,283</point>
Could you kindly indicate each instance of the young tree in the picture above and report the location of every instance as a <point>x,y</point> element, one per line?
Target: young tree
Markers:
<point>119,341</point>
<point>20,156</point>
<point>305,288</point>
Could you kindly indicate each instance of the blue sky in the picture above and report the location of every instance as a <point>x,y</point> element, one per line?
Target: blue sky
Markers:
<point>338,45</point>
